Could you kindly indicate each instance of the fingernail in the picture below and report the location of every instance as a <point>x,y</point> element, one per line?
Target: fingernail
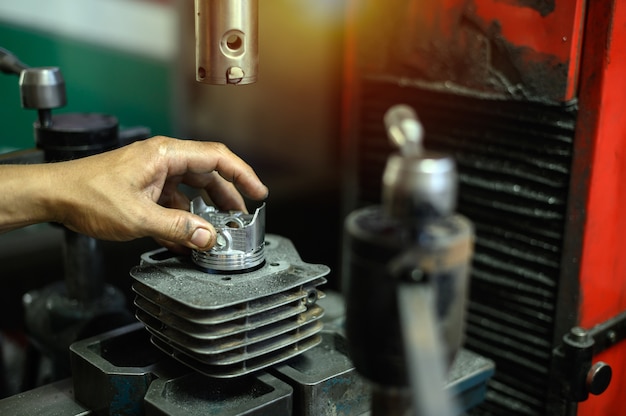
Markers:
<point>201,238</point>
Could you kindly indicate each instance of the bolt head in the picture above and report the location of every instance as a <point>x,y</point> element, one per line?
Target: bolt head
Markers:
<point>599,378</point>
<point>234,75</point>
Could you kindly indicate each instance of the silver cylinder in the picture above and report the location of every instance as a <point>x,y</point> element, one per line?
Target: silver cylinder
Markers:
<point>42,88</point>
<point>420,187</point>
<point>226,41</point>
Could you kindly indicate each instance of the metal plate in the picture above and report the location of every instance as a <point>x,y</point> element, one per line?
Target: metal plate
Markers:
<point>178,282</point>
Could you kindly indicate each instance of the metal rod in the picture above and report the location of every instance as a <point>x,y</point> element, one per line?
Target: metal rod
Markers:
<point>424,351</point>
<point>45,117</point>
<point>84,267</point>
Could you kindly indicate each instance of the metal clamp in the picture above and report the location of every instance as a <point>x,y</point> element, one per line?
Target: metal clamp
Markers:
<point>579,375</point>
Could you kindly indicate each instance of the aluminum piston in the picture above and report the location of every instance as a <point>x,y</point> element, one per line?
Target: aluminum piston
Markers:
<point>240,242</point>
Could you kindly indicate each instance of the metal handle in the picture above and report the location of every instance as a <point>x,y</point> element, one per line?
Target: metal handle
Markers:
<point>424,350</point>
<point>10,64</point>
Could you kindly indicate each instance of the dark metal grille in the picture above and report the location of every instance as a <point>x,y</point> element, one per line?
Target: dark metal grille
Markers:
<point>514,163</point>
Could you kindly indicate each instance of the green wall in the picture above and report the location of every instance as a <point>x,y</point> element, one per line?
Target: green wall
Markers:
<point>135,89</point>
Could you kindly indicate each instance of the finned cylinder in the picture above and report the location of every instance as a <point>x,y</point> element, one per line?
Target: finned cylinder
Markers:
<point>226,41</point>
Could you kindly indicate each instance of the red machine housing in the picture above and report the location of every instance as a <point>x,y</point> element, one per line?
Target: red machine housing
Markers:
<point>560,68</point>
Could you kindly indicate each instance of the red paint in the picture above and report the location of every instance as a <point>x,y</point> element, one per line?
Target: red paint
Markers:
<point>603,267</point>
<point>553,34</point>
<point>603,264</point>
<point>557,34</point>
<point>595,54</point>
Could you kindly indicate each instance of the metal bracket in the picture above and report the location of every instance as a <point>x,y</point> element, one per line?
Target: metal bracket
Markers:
<point>579,377</point>
<point>608,333</point>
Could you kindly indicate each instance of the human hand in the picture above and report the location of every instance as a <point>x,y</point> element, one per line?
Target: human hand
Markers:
<point>129,192</point>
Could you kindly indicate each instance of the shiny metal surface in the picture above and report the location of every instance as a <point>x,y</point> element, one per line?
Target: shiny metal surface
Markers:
<point>404,129</point>
<point>407,272</point>
<point>226,41</point>
<point>10,64</point>
<point>417,185</point>
<point>228,325</point>
<point>425,351</point>
<point>42,88</point>
<point>420,188</point>
<point>240,239</point>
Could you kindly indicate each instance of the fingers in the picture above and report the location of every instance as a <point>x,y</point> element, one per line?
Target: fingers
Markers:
<point>221,192</point>
<point>151,170</point>
<point>188,158</point>
<point>172,197</point>
<point>175,227</point>
<point>211,167</point>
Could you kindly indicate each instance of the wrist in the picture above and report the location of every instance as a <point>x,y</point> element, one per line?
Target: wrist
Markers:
<point>26,198</point>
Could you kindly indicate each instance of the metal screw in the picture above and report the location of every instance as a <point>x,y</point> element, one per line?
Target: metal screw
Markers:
<point>611,337</point>
<point>578,334</point>
<point>234,75</point>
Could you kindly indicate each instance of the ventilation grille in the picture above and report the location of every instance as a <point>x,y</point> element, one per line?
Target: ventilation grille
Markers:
<point>228,325</point>
<point>514,160</point>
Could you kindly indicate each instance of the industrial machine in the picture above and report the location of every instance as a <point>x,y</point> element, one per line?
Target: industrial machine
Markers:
<point>523,100</point>
<point>406,277</point>
<point>239,329</point>
<point>527,97</point>
<point>84,303</point>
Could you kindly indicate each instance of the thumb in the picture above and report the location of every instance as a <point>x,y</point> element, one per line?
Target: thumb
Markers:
<point>180,227</point>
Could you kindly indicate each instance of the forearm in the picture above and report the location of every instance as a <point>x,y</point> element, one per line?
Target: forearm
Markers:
<point>26,196</point>
<point>130,192</point>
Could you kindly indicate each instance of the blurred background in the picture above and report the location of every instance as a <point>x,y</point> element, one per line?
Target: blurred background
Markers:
<point>134,59</point>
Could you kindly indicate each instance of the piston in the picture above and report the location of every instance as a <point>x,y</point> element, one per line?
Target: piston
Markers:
<point>240,243</point>
<point>406,265</point>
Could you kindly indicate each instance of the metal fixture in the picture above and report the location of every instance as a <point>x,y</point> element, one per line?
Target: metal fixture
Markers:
<point>578,374</point>
<point>122,372</point>
<point>63,312</point>
<point>406,268</point>
<point>10,64</point>
<point>226,41</point>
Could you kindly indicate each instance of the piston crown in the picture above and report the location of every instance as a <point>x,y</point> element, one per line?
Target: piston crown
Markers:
<point>240,244</point>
